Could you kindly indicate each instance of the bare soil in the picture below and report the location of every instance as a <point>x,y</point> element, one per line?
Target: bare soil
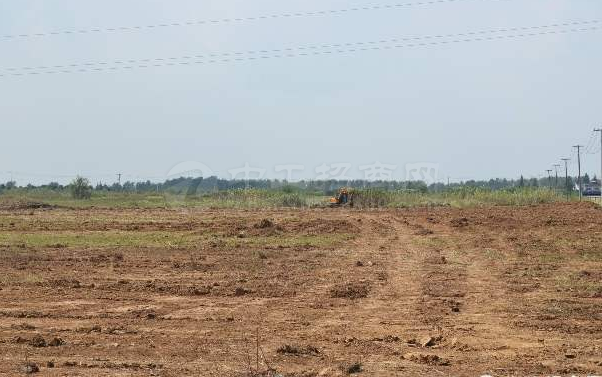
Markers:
<point>426,291</point>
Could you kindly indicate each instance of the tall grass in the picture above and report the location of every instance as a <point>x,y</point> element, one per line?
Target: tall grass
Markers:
<point>276,198</point>
<point>256,198</point>
<point>512,196</point>
<point>462,197</point>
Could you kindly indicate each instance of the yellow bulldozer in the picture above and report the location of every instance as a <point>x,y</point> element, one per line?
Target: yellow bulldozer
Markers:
<point>344,198</point>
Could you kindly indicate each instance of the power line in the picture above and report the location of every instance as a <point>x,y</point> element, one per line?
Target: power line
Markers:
<point>265,54</point>
<point>234,20</point>
<point>593,147</point>
<point>590,143</point>
<point>310,47</point>
<point>594,151</point>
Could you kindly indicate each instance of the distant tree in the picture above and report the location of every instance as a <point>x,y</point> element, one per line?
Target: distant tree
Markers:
<point>146,186</point>
<point>571,183</point>
<point>54,186</point>
<point>533,182</point>
<point>81,188</point>
<point>419,186</point>
<point>586,179</point>
<point>288,189</point>
<point>129,186</point>
<point>10,185</point>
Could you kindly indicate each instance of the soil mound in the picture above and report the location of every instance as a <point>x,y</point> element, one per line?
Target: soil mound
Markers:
<point>23,205</point>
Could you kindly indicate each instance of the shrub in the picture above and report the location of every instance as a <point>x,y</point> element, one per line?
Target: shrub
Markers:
<point>293,200</point>
<point>81,188</point>
<point>372,198</point>
<point>288,189</point>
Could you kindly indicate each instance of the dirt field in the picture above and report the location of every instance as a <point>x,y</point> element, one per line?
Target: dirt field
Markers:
<point>501,290</point>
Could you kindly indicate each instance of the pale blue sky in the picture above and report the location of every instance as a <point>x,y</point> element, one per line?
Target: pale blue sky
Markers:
<point>480,109</point>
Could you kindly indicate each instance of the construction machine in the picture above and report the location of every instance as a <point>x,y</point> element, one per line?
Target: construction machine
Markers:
<point>343,198</point>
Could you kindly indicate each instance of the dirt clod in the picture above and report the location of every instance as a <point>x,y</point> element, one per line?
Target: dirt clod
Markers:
<point>297,350</point>
<point>38,342</point>
<point>350,291</point>
<point>240,291</point>
<point>30,368</point>
<point>428,359</point>
<point>264,224</point>
<point>427,341</point>
<point>459,222</point>
<point>56,342</point>
<point>354,368</point>
<point>424,232</point>
<point>388,339</point>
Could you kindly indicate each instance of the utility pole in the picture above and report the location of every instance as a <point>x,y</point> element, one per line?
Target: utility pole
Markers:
<point>579,167</point>
<point>600,178</point>
<point>556,166</point>
<point>119,178</point>
<point>566,176</point>
<point>549,177</point>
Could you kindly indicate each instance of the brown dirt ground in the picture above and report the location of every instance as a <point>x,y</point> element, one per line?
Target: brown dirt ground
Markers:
<point>441,291</point>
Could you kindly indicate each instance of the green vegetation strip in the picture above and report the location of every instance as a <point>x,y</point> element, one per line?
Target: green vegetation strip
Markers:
<point>107,239</point>
<point>278,198</point>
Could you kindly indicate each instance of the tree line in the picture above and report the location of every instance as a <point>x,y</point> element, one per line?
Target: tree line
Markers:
<point>82,188</point>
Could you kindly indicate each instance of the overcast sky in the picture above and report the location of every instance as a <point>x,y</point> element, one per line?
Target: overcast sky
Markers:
<point>478,109</point>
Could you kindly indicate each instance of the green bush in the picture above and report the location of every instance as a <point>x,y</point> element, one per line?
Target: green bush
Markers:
<point>292,200</point>
<point>288,189</point>
<point>81,188</point>
<point>372,198</point>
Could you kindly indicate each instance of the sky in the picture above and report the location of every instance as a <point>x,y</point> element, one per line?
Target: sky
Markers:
<point>469,110</point>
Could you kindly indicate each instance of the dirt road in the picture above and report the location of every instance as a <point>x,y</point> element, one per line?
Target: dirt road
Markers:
<point>441,291</point>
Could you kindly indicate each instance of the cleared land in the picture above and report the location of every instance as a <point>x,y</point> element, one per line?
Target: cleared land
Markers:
<point>439,291</point>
